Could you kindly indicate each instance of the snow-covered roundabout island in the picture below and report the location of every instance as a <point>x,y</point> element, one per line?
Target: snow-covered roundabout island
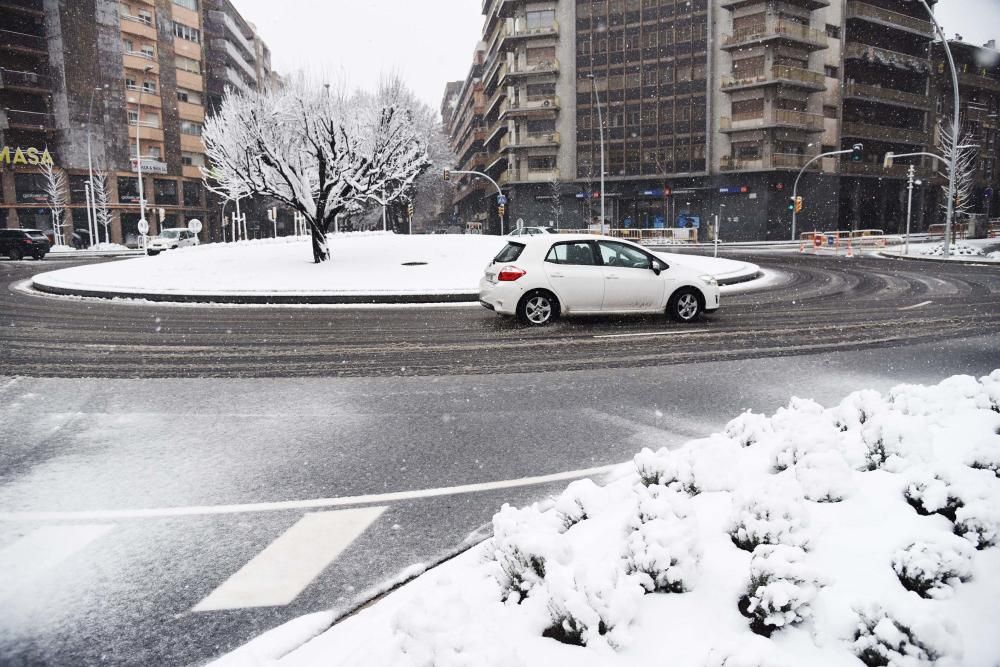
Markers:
<point>861,534</point>
<point>365,267</point>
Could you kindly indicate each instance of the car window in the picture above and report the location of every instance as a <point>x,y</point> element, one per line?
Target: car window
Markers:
<point>572,252</point>
<point>619,254</point>
<point>35,235</point>
<point>510,252</point>
<point>169,233</point>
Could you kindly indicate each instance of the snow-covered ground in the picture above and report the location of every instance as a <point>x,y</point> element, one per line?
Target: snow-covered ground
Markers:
<point>362,264</point>
<point>863,533</point>
<point>970,249</point>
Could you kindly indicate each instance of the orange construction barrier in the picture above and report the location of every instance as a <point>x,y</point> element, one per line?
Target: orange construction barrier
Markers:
<point>850,250</point>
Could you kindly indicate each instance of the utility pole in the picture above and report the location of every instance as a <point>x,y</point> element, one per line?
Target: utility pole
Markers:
<point>501,200</point>
<point>600,128</point>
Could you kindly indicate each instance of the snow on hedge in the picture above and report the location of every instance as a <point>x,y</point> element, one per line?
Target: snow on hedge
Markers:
<point>863,533</point>
<point>956,249</point>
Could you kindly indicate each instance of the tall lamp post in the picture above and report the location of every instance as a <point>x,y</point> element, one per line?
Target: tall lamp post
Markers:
<point>91,202</point>
<point>600,127</point>
<point>953,158</point>
<point>138,150</point>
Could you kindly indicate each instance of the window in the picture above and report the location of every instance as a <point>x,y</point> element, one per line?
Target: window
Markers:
<point>579,253</point>
<point>187,32</point>
<point>144,16</point>
<point>544,163</point>
<point>542,55</point>
<point>190,127</point>
<point>510,253</point>
<point>128,46</point>
<point>192,159</point>
<point>153,152</point>
<point>536,127</point>
<point>833,31</point>
<point>148,52</point>
<point>189,96</point>
<point>832,72</point>
<point>165,191</point>
<point>128,190</point>
<point>30,188</point>
<point>192,193</point>
<point>540,19</point>
<point>829,112</point>
<point>149,87</point>
<point>188,4</point>
<point>619,254</point>
<point>541,91</point>
<point>188,64</point>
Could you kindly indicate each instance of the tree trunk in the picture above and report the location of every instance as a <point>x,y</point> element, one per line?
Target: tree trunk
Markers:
<point>321,251</point>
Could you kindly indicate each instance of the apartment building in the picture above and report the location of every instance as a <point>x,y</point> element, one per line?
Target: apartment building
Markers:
<point>978,70</point>
<point>117,75</point>
<point>709,107</point>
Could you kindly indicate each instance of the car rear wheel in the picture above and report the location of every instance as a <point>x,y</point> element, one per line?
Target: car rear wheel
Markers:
<point>684,306</point>
<point>15,254</point>
<point>538,308</point>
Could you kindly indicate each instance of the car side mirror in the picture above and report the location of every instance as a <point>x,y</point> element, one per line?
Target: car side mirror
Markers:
<point>657,267</point>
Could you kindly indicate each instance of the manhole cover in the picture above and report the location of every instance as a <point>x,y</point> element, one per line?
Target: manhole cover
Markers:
<point>414,263</point>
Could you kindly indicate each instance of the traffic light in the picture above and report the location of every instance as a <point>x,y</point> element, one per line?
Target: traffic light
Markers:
<point>409,209</point>
<point>447,174</point>
<point>500,209</point>
<point>798,204</point>
<point>856,152</point>
<point>791,203</point>
<point>887,162</point>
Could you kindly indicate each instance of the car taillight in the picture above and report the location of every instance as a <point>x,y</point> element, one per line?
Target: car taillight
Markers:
<point>27,241</point>
<point>510,273</point>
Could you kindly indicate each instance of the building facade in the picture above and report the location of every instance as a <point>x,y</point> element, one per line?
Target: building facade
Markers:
<point>709,107</point>
<point>113,76</point>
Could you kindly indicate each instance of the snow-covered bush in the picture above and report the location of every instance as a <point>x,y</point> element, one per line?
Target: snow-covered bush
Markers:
<point>771,514</point>
<point>584,608</point>
<point>752,651</point>
<point>577,502</point>
<point>824,476</point>
<point>524,540</point>
<point>748,429</point>
<point>930,492</point>
<point>956,250</point>
<point>986,458</point>
<point>882,639</point>
<point>662,548</point>
<point>857,408</point>
<point>894,442</point>
<point>979,522</point>
<point>933,568</point>
<point>665,468</point>
<point>959,392</point>
<point>781,589</point>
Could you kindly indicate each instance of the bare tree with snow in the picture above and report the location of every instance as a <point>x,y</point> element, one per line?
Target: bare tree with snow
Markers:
<point>966,154</point>
<point>101,199</point>
<point>321,152</point>
<point>555,202</point>
<point>55,194</point>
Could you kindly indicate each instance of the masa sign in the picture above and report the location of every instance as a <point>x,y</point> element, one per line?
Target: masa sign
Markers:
<point>26,156</point>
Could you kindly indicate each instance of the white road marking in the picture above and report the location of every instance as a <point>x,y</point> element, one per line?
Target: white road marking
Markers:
<point>653,333</point>
<point>280,572</point>
<point>31,556</point>
<point>916,305</point>
<point>313,503</point>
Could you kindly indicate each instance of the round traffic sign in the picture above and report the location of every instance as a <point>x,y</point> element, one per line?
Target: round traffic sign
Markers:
<point>194,225</point>
<point>143,226</point>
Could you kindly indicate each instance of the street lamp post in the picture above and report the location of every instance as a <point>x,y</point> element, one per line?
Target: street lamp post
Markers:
<point>795,186</point>
<point>92,205</point>
<point>717,216</point>
<point>954,129</point>
<point>600,128</point>
<point>499,191</point>
<point>138,150</point>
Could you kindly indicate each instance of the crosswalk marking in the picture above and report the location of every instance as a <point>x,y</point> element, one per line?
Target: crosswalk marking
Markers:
<point>29,557</point>
<point>281,571</point>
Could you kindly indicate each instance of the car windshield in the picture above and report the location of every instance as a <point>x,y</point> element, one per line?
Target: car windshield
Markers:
<point>170,233</point>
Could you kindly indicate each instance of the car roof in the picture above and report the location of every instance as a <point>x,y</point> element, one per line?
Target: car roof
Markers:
<point>556,238</point>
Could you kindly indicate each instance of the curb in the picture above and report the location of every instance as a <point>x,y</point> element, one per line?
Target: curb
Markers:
<point>264,299</point>
<point>966,262</point>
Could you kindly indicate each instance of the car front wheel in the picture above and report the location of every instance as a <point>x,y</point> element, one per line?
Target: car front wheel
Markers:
<point>537,308</point>
<point>685,306</point>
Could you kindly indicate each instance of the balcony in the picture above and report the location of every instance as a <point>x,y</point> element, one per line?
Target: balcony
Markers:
<point>771,161</point>
<point>19,41</point>
<point>799,120</point>
<point>137,25</point>
<point>875,55</point>
<point>151,100</point>
<point>191,171</point>
<point>239,58</point>
<point>138,60</point>
<point>150,131</point>
<point>188,111</point>
<point>517,30</point>
<point>29,81</point>
<point>234,79</point>
<point>794,77</point>
<point>493,131</point>
<point>775,29</point>
<point>807,4</point>
<point>476,136</point>
<point>889,19</point>
<point>883,133</point>
<point>873,169</point>
<point>476,162</point>
<point>237,33</point>
<point>27,120</point>
<point>523,69</point>
<point>887,95</point>
<point>34,7</point>
<point>548,140</point>
<point>976,81</point>
<point>523,108</point>
<point>192,143</point>
<point>528,176</point>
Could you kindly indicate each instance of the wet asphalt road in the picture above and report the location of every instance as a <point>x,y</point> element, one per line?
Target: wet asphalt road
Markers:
<point>101,412</point>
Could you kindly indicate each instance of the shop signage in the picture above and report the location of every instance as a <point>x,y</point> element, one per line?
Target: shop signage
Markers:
<point>15,155</point>
<point>150,166</point>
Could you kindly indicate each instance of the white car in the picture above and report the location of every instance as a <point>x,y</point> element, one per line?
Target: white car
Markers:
<point>531,231</point>
<point>175,237</point>
<point>539,278</point>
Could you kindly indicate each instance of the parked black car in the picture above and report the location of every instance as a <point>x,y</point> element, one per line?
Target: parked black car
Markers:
<point>20,243</point>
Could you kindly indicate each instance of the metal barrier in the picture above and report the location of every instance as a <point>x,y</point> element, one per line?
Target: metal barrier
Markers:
<point>664,236</point>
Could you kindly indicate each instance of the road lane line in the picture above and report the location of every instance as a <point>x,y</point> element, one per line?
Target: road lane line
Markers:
<point>916,305</point>
<point>313,503</point>
<point>652,333</point>
<point>279,573</point>
<point>31,556</point>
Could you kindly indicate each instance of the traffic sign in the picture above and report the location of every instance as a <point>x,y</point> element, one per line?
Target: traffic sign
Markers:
<point>194,225</point>
<point>143,226</point>
<point>501,200</point>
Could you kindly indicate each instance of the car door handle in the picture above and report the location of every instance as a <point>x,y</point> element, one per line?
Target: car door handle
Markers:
<point>611,277</point>
<point>556,275</point>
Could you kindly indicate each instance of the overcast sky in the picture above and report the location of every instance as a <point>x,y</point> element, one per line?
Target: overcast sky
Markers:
<point>430,42</point>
